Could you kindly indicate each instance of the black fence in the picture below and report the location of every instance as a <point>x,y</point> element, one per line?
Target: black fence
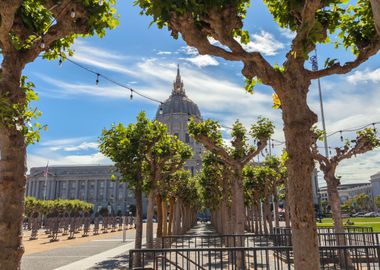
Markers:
<point>274,258</point>
<point>281,238</point>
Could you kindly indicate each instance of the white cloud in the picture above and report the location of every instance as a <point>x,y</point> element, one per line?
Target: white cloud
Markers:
<point>365,76</point>
<point>189,50</point>
<point>286,32</point>
<point>222,99</point>
<point>264,43</point>
<point>202,60</point>
<point>80,147</point>
<point>164,53</point>
<point>37,160</point>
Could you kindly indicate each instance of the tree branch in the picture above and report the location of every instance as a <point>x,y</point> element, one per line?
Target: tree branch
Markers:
<point>220,27</point>
<point>375,5</point>
<point>337,68</point>
<point>254,152</point>
<point>217,150</point>
<point>8,9</point>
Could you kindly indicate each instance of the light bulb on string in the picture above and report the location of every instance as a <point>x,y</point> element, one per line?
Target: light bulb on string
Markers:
<point>100,2</point>
<point>60,61</point>
<point>97,78</point>
<point>272,145</point>
<point>72,13</point>
<point>161,111</point>
<point>341,136</point>
<point>374,128</point>
<point>330,150</point>
<point>131,96</point>
<point>42,45</point>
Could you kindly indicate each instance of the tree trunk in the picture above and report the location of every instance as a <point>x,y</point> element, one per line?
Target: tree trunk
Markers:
<point>238,204</point>
<point>287,208</point>
<point>298,121</point>
<point>375,4</point>
<point>164,218</point>
<point>138,222</point>
<point>171,216</point>
<point>12,172</point>
<point>149,220</point>
<point>276,214</point>
<point>332,191</point>
<point>159,216</point>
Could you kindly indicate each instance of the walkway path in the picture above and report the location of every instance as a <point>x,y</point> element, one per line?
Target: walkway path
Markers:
<point>81,256</point>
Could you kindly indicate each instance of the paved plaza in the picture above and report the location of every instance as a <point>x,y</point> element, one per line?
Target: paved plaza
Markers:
<point>93,252</point>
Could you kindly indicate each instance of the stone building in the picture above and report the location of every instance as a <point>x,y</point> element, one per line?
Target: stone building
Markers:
<point>92,183</point>
<point>87,183</point>
<point>175,112</point>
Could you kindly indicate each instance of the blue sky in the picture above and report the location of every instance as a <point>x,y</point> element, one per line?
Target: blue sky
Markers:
<point>76,110</point>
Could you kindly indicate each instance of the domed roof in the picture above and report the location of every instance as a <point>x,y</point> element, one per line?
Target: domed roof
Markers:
<point>178,102</point>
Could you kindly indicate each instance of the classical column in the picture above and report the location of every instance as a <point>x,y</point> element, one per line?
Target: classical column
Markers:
<point>96,192</point>
<point>67,188</point>
<point>86,183</point>
<point>77,189</point>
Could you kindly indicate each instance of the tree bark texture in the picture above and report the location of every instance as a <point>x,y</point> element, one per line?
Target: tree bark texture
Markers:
<point>149,220</point>
<point>171,216</point>
<point>138,222</point>
<point>159,216</point>
<point>164,218</point>
<point>12,173</point>
<point>333,194</point>
<point>298,121</point>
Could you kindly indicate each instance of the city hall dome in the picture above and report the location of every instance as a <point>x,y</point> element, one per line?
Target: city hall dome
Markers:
<point>178,102</point>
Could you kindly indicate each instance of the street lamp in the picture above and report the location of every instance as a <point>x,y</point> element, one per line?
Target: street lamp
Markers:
<point>314,65</point>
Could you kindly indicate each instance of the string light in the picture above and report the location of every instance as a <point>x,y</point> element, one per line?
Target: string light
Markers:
<point>42,45</point>
<point>100,2</point>
<point>60,61</point>
<point>72,13</point>
<point>97,78</point>
<point>278,142</point>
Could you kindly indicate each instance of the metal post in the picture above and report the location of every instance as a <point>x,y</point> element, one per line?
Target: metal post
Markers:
<point>314,60</point>
<point>124,230</point>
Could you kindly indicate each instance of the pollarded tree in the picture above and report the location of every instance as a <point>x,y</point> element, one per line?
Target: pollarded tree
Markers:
<point>236,157</point>
<point>215,191</point>
<point>167,155</point>
<point>366,140</point>
<point>216,28</point>
<point>127,148</point>
<point>254,193</point>
<point>27,29</point>
<point>279,180</point>
<point>376,201</point>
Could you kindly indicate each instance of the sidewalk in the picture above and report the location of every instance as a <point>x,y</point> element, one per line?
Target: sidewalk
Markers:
<point>85,255</point>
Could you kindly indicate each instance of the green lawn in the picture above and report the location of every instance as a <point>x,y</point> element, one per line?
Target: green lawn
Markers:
<point>373,222</point>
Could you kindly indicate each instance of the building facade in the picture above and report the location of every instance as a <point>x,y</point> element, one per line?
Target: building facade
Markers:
<point>88,183</point>
<point>175,113</point>
<point>348,191</point>
<point>375,183</point>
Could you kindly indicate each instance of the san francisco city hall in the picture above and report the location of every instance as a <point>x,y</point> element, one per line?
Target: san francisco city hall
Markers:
<point>93,183</point>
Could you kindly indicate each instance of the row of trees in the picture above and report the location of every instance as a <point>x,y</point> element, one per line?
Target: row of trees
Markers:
<point>151,162</point>
<point>218,29</point>
<point>29,27</point>
<point>35,207</point>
